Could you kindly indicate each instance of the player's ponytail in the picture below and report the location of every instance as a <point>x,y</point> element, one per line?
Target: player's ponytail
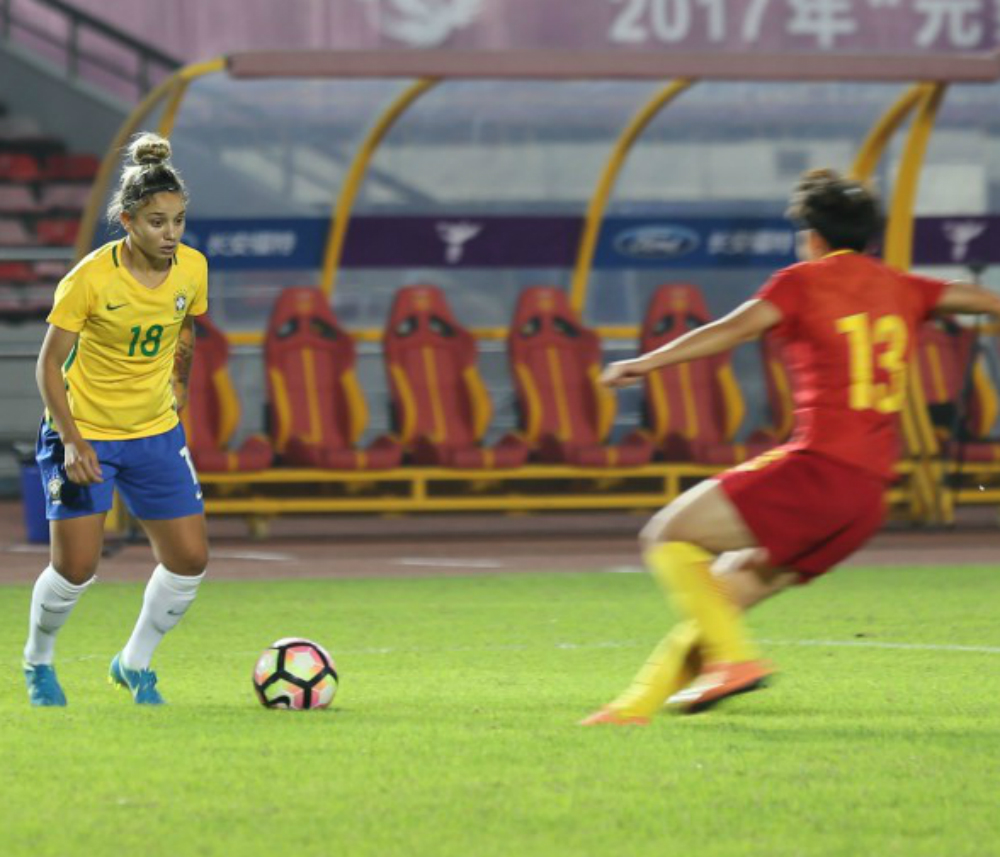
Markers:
<point>149,172</point>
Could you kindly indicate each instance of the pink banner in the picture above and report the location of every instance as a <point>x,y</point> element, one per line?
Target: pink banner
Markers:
<point>197,29</point>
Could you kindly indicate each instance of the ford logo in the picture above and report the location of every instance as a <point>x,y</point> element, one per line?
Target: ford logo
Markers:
<point>656,242</point>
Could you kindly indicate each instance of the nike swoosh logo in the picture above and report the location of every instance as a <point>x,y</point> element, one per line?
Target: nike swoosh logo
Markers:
<point>112,308</point>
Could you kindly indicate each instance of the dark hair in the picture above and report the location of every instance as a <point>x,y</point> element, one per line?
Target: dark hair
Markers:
<point>846,213</point>
<point>149,173</point>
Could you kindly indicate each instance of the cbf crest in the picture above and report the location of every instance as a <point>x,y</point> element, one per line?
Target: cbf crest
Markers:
<point>180,304</point>
<point>54,488</point>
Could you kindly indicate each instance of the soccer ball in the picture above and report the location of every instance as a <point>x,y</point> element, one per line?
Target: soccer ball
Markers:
<point>295,673</point>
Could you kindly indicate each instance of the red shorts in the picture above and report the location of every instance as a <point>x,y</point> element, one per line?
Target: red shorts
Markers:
<point>808,511</point>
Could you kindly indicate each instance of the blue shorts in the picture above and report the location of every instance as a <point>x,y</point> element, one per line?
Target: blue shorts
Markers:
<point>154,475</point>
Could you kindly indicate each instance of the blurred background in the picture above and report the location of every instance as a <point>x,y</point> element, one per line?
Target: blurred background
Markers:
<point>482,187</point>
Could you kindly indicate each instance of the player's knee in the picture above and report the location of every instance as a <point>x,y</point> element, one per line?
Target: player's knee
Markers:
<point>661,528</point>
<point>754,559</point>
<point>189,562</point>
<point>77,570</point>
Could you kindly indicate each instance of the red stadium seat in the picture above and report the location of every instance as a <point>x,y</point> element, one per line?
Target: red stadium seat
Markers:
<point>13,233</point>
<point>556,362</point>
<point>17,199</point>
<point>441,406</point>
<point>316,408</point>
<point>51,269</point>
<point>64,196</point>
<point>71,167</point>
<point>18,167</point>
<point>693,410</point>
<point>212,414</point>
<point>57,231</point>
<point>38,298</point>
<point>11,304</point>
<point>944,348</point>
<point>20,303</point>
<point>779,393</point>
<point>16,272</point>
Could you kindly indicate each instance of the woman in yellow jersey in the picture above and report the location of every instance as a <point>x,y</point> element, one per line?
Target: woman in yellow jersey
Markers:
<point>113,373</point>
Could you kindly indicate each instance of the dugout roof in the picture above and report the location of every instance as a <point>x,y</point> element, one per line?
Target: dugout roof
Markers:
<point>341,136</point>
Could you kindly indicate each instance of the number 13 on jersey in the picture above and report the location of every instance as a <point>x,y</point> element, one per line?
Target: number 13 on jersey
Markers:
<point>882,345</point>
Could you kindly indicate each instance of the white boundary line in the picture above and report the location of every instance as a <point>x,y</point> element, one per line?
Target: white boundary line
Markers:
<point>878,644</point>
<point>254,556</point>
<point>623,644</point>
<point>447,562</point>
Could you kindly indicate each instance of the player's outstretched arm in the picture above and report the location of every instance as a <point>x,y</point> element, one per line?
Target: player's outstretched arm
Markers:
<point>961,297</point>
<point>745,323</point>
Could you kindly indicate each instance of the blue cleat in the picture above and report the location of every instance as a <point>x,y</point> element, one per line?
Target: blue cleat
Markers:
<point>43,686</point>
<point>140,683</point>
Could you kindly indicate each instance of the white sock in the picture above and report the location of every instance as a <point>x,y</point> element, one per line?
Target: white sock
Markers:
<point>52,600</point>
<point>167,599</point>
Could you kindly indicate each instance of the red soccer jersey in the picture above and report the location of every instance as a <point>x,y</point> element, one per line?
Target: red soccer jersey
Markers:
<point>849,324</point>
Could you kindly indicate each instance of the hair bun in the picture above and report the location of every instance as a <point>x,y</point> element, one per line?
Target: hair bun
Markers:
<point>148,149</point>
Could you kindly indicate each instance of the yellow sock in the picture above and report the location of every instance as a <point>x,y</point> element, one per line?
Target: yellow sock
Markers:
<point>683,568</point>
<point>673,665</point>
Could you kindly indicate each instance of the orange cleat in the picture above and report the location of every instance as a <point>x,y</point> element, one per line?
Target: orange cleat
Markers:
<point>719,681</point>
<point>613,717</point>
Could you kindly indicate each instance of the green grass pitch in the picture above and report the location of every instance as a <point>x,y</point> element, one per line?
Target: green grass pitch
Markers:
<point>453,732</point>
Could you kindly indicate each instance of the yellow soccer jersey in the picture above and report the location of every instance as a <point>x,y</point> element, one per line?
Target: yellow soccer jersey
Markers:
<point>119,376</point>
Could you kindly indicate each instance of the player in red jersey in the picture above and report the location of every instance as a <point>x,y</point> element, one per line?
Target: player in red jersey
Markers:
<point>849,324</point>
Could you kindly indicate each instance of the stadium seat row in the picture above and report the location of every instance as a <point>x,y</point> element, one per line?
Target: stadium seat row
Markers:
<point>963,399</point>
<point>50,198</point>
<point>26,288</point>
<point>45,231</point>
<point>441,407</point>
<point>26,167</point>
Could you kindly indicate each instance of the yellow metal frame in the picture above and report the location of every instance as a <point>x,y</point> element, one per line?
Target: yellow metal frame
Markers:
<point>169,117</point>
<point>935,501</point>
<point>173,87</point>
<point>930,502</point>
<point>871,151</point>
<point>899,232</point>
<point>606,183</point>
<point>923,495</point>
<point>355,176</point>
<point>426,489</point>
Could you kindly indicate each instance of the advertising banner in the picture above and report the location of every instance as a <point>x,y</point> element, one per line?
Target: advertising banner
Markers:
<point>193,29</point>
<point>553,242</point>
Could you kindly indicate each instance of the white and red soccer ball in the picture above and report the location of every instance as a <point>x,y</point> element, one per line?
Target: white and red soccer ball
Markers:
<point>295,674</point>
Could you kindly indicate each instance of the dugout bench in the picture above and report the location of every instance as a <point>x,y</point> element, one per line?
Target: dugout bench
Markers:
<point>532,488</point>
